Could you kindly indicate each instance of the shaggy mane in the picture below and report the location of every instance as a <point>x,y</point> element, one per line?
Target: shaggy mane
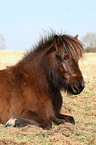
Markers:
<point>71,45</point>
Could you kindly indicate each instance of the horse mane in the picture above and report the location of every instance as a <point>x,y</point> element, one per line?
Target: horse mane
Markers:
<point>71,45</point>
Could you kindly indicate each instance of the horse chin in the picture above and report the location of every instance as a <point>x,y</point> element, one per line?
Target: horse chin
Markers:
<point>74,91</point>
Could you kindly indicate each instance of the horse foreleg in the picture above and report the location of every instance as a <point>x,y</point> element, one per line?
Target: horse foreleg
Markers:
<point>67,118</point>
<point>33,119</point>
<point>61,119</point>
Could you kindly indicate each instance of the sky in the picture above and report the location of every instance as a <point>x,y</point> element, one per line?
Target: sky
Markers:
<point>23,22</point>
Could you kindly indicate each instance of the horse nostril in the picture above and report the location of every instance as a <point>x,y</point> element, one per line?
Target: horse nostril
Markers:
<point>78,86</point>
<point>75,87</point>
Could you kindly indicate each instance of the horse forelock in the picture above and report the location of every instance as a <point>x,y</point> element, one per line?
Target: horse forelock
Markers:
<point>72,46</point>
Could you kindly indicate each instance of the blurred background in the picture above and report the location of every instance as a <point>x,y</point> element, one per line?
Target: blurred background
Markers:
<point>23,22</point>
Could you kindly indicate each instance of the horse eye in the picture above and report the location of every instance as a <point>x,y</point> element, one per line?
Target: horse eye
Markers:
<point>65,58</point>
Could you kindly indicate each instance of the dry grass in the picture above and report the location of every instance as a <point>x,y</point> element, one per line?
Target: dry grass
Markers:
<point>82,107</point>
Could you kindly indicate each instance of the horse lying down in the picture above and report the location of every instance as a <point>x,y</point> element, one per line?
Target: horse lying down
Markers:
<point>30,90</point>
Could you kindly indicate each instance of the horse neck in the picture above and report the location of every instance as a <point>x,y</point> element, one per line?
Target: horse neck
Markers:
<point>34,66</point>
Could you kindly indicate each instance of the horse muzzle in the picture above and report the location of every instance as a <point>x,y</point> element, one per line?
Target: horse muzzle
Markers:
<point>77,87</point>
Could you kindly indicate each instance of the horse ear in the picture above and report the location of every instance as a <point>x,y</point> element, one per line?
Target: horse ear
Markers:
<point>56,41</point>
<point>76,37</point>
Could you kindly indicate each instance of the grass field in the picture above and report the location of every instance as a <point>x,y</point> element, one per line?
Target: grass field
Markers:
<point>82,107</point>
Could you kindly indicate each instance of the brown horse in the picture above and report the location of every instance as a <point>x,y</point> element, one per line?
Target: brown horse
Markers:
<point>30,90</point>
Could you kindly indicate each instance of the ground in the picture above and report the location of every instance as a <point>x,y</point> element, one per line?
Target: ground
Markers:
<point>82,107</point>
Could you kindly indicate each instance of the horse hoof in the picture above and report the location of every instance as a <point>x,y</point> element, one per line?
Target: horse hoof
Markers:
<point>10,122</point>
<point>47,127</point>
<point>72,120</point>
